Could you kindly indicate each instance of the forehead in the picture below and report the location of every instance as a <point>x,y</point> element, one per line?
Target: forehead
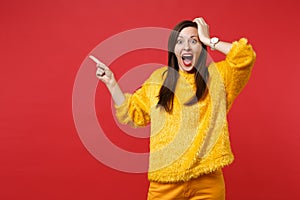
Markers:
<point>188,32</point>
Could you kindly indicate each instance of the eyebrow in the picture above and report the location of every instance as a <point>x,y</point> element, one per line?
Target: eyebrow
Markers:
<point>190,37</point>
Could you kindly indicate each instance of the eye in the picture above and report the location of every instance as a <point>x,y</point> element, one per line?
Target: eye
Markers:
<point>193,41</point>
<point>179,41</point>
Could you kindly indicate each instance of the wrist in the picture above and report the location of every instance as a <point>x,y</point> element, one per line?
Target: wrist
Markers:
<point>111,84</point>
<point>206,41</point>
<point>213,42</point>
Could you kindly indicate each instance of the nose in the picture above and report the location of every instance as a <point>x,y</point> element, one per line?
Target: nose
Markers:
<point>187,46</point>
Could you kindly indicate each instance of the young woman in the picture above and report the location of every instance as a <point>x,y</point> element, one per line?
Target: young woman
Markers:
<point>187,103</point>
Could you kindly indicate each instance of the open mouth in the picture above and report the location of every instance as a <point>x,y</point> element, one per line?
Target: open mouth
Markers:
<point>187,59</point>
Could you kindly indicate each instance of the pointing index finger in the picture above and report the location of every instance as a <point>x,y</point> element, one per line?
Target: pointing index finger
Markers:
<point>98,62</point>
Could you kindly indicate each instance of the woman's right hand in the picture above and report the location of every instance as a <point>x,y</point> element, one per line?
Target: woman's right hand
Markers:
<point>104,74</point>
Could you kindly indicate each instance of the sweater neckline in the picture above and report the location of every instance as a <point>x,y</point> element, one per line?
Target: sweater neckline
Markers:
<point>189,77</point>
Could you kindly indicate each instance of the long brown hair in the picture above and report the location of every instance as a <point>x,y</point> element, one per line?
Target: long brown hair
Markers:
<point>166,93</point>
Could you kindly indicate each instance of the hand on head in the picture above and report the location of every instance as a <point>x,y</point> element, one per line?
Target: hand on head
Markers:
<point>203,30</point>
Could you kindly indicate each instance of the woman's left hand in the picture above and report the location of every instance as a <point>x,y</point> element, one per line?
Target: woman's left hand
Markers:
<point>203,30</point>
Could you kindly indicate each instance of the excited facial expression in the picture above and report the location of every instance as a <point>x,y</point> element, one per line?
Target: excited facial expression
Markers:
<point>188,48</point>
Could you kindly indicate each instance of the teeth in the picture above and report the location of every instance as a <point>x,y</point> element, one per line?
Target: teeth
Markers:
<point>188,57</point>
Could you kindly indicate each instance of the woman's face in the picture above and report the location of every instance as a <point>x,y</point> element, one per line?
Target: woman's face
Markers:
<point>188,48</point>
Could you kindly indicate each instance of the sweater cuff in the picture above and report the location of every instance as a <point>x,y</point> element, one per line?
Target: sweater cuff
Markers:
<point>241,54</point>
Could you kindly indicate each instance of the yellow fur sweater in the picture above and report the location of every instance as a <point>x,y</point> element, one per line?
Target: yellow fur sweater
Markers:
<point>192,140</point>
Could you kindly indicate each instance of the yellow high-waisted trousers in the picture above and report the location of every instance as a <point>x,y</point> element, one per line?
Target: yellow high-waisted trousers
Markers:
<point>208,187</point>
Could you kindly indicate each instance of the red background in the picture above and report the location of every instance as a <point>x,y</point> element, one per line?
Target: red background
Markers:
<point>42,46</point>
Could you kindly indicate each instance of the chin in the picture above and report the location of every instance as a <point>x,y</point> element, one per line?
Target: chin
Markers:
<point>187,68</point>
